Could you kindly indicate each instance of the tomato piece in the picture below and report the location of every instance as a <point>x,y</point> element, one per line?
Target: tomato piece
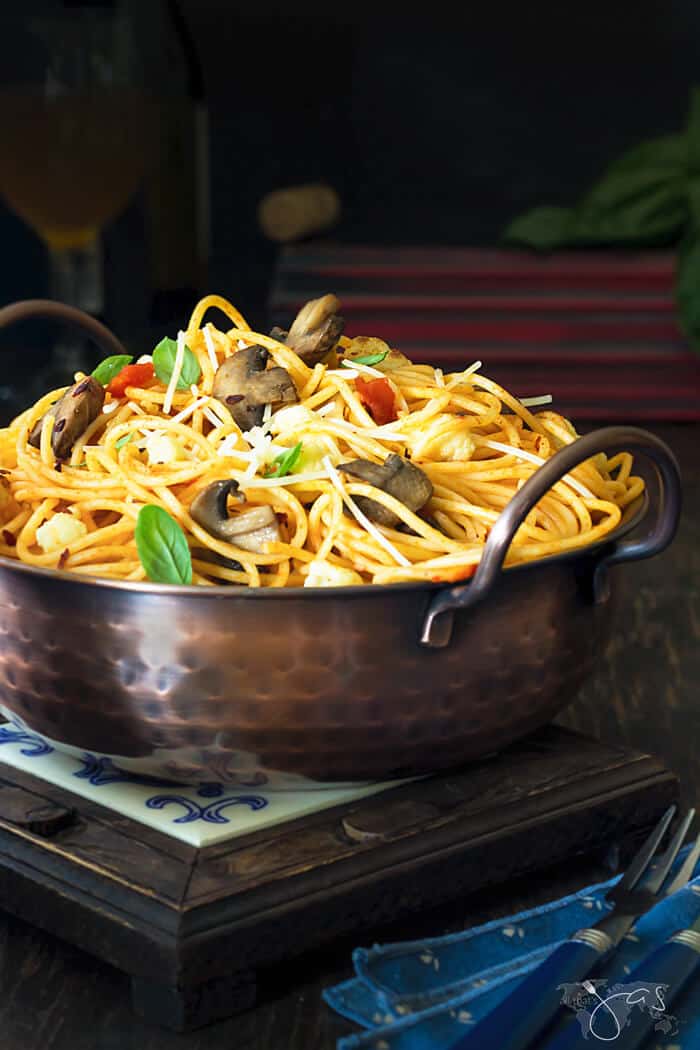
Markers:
<point>378,398</point>
<point>130,375</point>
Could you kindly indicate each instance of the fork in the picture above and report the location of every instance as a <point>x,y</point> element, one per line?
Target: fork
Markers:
<point>523,1016</point>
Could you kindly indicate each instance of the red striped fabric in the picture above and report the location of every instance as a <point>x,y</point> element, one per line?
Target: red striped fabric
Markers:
<point>596,330</point>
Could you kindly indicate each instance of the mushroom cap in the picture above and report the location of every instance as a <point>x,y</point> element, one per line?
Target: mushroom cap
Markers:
<point>73,413</point>
<point>399,477</point>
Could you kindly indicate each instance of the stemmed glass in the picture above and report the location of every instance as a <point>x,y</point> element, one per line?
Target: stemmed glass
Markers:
<point>78,125</point>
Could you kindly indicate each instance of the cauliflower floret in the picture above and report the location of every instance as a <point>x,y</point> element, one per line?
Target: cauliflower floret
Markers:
<point>443,440</point>
<point>161,448</point>
<point>323,574</point>
<point>313,452</point>
<point>59,532</point>
<point>457,446</point>
<point>290,419</point>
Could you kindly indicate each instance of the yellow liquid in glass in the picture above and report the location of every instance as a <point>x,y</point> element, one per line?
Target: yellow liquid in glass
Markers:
<point>70,164</point>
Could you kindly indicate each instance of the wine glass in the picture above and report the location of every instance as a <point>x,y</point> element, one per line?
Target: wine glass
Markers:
<point>79,126</point>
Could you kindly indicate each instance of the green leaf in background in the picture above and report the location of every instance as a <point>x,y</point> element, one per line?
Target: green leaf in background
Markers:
<point>111,367</point>
<point>164,363</point>
<point>162,546</point>
<point>286,461</point>
<point>688,286</point>
<point>633,207</point>
<point>667,153</point>
<point>542,228</point>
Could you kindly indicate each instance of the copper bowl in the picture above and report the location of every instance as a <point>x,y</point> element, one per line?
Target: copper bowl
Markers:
<point>328,685</point>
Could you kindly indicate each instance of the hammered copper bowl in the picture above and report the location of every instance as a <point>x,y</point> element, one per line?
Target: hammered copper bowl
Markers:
<point>344,684</point>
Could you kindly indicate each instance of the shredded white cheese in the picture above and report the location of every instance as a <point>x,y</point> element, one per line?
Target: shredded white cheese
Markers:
<point>213,419</point>
<point>439,377</point>
<point>360,517</point>
<point>267,413</point>
<point>190,409</point>
<point>344,373</point>
<point>112,406</point>
<point>367,369</point>
<point>211,349</point>
<point>144,359</point>
<point>136,408</point>
<point>174,378</point>
<point>531,402</point>
<point>532,458</point>
<point>459,377</point>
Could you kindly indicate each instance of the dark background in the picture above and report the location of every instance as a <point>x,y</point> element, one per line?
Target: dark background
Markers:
<point>436,128</point>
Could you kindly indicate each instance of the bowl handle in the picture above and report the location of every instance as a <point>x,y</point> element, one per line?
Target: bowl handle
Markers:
<point>29,309</point>
<point>437,626</point>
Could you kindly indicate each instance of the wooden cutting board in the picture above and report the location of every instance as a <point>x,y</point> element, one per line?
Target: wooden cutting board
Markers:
<point>192,926</point>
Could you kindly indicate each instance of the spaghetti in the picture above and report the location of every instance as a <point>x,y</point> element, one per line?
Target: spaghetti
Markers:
<point>279,503</point>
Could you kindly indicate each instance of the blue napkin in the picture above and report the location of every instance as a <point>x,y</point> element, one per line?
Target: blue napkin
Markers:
<point>420,995</point>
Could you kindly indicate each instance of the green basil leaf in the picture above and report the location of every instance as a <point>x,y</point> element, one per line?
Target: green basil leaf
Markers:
<point>164,363</point>
<point>542,228</point>
<point>669,154</point>
<point>162,546</point>
<point>693,133</point>
<point>286,462</point>
<point>688,287</point>
<point>111,367</point>
<point>368,359</point>
<point>124,440</point>
<point>634,208</point>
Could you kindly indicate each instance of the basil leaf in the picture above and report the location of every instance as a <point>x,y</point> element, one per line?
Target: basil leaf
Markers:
<point>368,359</point>
<point>636,207</point>
<point>668,154</point>
<point>164,363</point>
<point>162,546</point>
<point>688,287</point>
<point>542,228</point>
<point>285,462</point>
<point>111,367</point>
<point>124,440</point>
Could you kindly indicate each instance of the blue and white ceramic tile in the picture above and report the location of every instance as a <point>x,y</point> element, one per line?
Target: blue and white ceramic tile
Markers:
<point>200,815</point>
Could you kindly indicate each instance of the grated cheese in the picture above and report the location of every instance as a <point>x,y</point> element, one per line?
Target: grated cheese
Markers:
<point>213,419</point>
<point>135,408</point>
<point>211,349</point>
<point>190,410</point>
<point>460,376</point>
<point>531,402</point>
<point>144,359</point>
<point>532,458</point>
<point>112,406</point>
<point>367,369</point>
<point>439,377</point>
<point>174,378</point>
<point>362,518</point>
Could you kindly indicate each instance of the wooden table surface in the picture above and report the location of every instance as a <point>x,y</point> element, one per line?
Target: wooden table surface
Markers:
<point>645,694</point>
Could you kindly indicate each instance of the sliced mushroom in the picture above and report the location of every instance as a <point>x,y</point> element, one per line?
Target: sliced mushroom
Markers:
<point>214,558</point>
<point>397,476</point>
<point>245,385</point>
<point>316,329</point>
<point>248,530</point>
<point>73,413</point>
